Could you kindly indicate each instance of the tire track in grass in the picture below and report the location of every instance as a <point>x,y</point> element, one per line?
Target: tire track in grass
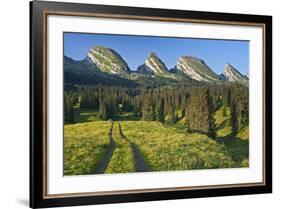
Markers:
<point>105,161</point>
<point>123,159</point>
<point>140,163</point>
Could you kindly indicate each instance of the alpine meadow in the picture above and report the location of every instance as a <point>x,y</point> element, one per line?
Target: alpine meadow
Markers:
<point>148,104</point>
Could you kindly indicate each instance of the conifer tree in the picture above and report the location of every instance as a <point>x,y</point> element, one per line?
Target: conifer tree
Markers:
<point>234,124</point>
<point>160,111</point>
<point>68,109</point>
<point>103,111</point>
<point>239,107</point>
<point>224,113</point>
<point>199,114</point>
<point>148,108</point>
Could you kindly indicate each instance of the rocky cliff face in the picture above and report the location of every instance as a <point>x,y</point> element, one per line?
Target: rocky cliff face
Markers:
<point>107,60</point>
<point>196,69</point>
<point>153,65</point>
<point>232,74</point>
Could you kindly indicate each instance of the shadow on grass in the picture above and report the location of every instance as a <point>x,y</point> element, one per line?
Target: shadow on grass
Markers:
<point>237,148</point>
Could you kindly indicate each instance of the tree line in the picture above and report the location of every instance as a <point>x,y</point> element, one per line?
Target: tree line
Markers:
<point>196,105</point>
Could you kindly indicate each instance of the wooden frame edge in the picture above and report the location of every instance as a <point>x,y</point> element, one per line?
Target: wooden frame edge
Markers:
<point>45,196</point>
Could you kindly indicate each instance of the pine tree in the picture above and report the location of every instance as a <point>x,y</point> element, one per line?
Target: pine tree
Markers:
<point>160,111</point>
<point>103,111</point>
<point>212,125</point>
<point>234,119</point>
<point>84,101</point>
<point>199,114</point>
<point>224,113</point>
<point>136,103</point>
<point>239,107</point>
<point>148,108</point>
<point>68,109</point>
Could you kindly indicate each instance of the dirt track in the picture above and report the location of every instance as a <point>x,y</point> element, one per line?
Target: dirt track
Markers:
<point>140,164</point>
<point>105,161</point>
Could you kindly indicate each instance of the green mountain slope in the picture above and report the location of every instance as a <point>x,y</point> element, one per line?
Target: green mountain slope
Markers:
<point>84,72</point>
<point>232,74</point>
<point>108,60</point>
<point>196,69</point>
<point>153,65</point>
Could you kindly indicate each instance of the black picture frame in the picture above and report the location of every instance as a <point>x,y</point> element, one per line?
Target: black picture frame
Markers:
<point>38,129</point>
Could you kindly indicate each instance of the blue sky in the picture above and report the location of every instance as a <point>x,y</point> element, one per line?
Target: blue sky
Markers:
<point>135,49</point>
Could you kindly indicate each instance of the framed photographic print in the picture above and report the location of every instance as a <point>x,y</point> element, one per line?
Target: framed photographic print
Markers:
<point>140,104</point>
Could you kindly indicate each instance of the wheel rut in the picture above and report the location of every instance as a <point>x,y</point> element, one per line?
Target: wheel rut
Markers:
<point>140,163</point>
<point>105,161</point>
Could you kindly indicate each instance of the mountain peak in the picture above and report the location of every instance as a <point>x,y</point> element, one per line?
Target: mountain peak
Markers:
<point>153,55</point>
<point>232,74</point>
<point>228,65</point>
<point>108,60</point>
<point>196,69</point>
<point>100,58</point>
<point>153,65</point>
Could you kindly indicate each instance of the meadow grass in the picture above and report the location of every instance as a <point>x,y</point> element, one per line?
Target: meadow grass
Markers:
<point>122,160</point>
<point>88,115</point>
<point>237,146</point>
<point>181,124</point>
<point>223,123</point>
<point>165,148</point>
<point>238,149</point>
<point>243,134</point>
<point>84,146</point>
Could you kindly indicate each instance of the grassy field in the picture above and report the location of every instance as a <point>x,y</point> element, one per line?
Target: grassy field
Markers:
<point>84,146</point>
<point>237,146</point>
<point>162,147</point>
<point>167,148</point>
<point>87,115</point>
<point>223,123</point>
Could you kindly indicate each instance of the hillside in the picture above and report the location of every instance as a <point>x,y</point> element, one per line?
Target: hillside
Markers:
<point>86,73</point>
<point>232,74</point>
<point>108,60</point>
<point>237,146</point>
<point>196,69</point>
<point>153,65</point>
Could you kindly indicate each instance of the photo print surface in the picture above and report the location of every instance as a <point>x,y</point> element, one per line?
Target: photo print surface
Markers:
<point>148,104</point>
